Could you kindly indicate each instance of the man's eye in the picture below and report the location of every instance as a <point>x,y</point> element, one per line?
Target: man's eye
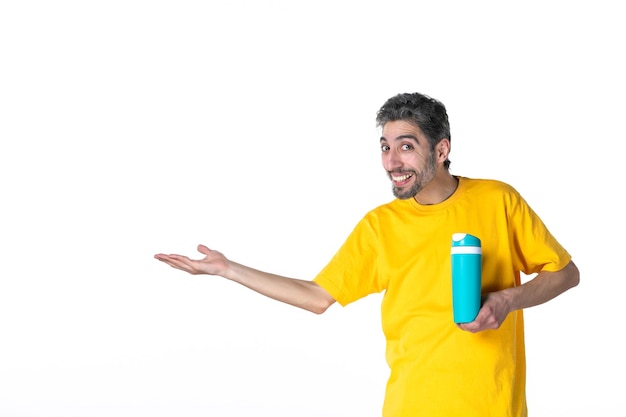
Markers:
<point>384,148</point>
<point>406,147</point>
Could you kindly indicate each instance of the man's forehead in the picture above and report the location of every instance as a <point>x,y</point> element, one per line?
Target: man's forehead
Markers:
<point>400,137</point>
<point>400,129</point>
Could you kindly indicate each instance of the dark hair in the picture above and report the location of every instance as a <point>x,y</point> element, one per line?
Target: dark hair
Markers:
<point>422,111</point>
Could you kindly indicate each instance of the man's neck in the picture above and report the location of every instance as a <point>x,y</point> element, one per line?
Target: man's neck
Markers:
<point>438,190</point>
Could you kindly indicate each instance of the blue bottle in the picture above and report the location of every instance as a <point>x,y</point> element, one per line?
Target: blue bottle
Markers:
<point>466,254</point>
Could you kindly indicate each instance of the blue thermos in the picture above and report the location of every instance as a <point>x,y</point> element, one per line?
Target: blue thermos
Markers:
<point>466,254</point>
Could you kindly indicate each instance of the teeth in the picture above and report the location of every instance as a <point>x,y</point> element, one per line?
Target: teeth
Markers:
<point>401,177</point>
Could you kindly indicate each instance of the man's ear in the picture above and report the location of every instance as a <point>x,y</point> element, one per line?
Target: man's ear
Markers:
<point>443,149</point>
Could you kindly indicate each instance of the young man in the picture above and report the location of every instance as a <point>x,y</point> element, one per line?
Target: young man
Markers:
<point>438,368</point>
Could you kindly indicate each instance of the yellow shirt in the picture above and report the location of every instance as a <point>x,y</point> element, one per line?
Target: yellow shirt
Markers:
<point>403,248</point>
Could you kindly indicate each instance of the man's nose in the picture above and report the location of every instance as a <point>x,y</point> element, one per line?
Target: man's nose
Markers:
<point>391,161</point>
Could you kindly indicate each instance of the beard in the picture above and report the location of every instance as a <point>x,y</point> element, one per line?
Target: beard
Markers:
<point>421,180</point>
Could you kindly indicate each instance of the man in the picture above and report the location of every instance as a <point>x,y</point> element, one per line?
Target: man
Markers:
<point>438,368</point>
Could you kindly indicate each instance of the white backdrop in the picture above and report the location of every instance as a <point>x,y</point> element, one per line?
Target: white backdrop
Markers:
<point>130,128</point>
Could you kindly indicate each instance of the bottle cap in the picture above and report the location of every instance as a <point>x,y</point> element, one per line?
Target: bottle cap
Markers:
<point>465,239</point>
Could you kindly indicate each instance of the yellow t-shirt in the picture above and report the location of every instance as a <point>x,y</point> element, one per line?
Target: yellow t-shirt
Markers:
<point>403,248</point>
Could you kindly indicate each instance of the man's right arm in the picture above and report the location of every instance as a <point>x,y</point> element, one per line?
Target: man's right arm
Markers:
<point>300,293</point>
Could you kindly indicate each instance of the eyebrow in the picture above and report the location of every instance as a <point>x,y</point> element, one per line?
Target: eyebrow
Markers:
<point>407,136</point>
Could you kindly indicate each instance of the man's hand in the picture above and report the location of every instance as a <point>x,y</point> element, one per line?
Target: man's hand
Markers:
<point>492,313</point>
<point>214,263</point>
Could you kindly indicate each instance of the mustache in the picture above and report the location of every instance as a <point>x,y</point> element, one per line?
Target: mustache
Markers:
<point>401,171</point>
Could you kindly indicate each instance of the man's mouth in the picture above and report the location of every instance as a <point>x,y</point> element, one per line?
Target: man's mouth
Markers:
<point>400,179</point>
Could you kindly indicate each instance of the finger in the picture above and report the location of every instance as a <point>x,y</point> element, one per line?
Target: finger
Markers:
<point>472,326</point>
<point>172,259</point>
<point>163,257</point>
<point>179,263</point>
<point>203,249</point>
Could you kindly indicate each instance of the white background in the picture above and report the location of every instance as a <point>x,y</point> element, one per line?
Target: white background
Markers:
<point>130,128</point>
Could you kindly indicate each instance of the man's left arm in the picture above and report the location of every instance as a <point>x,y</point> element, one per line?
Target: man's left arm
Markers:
<point>543,287</point>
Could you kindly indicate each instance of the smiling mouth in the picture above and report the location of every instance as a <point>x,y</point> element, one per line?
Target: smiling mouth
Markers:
<point>399,180</point>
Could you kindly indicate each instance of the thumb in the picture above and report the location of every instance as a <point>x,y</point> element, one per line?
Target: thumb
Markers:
<point>203,249</point>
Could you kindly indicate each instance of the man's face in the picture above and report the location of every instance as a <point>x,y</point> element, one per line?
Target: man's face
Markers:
<point>407,157</point>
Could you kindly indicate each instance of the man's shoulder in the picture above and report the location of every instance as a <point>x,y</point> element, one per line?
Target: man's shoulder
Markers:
<point>392,207</point>
<point>487,185</point>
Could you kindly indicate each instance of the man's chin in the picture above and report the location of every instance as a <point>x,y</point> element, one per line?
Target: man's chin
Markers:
<point>403,195</point>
